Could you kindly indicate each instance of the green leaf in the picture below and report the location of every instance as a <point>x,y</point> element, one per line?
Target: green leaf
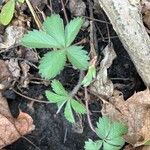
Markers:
<point>72,30</point>
<point>78,57</point>
<point>52,63</point>
<point>117,129</point>
<point>78,107</point>
<point>7,12</point>
<point>54,26</point>
<point>39,39</point>
<point>68,112</point>
<point>58,88</point>
<point>119,141</point>
<point>54,98</point>
<point>89,76</point>
<point>107,146</point>
<point>21,1</point>
<point>90,145</point>
<point>103,127</point>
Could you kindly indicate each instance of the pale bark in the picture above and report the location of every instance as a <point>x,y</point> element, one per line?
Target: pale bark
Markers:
<point>127,22</point>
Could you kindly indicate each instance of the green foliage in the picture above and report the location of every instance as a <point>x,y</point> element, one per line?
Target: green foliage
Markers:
<point>89,76</point>
<point>91,145</point>
<point>21,1</point>
<point>111,135</point>
<point>7,11</point>
<point>58,37</point>
<point>62,98</point>
<point>52,63</point>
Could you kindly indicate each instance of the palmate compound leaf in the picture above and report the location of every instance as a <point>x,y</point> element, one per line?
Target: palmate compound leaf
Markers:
<point>39,39</point>
<point>61,97</point>
<point>58,88</point>
<point>72,29</point>
<point>110,133</point>
<point>78,57</point>
<point>7,12</point>
<point>52,63</point>
<point>54,26</point>
<point>91,145</point>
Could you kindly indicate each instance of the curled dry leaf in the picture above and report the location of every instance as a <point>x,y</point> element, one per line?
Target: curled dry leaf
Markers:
<point>12,129</point>
<point>134,112</point>
<point>103,85</point>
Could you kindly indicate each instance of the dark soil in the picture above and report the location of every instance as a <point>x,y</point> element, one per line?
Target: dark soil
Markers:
<point>51,129</point>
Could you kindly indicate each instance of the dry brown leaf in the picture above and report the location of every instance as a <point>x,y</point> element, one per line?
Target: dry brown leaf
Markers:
<point>5,76</point>
<point>24,81</point>
<point>12,129</point>
<point>13,35</point>
<point>135,113</point>
<point>103,85</point>
<point>13,67</point>
<point>130,147</point>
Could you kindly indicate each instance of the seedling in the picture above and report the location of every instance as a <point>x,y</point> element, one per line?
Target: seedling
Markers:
<point>110,134</point>
<point>55,35</point>
<point>7,11</point>
<point>62,98</point>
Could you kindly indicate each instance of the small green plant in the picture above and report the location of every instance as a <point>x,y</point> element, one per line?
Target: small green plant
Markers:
<point>89,76</point>
<point>55,35</point>
<point>7,11</point>
<point>61,97</point>
<point>110,134</point>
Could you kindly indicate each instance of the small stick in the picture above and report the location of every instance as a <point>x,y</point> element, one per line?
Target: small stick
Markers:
<point>64,10</point>
<point>29,98</point>
<point>87,109</point>
<point>65,136</point>
<point>36,18</point>
<point>77,87</point>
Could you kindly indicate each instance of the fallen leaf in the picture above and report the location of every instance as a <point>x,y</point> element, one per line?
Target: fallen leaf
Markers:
<point>134,112</point>
<point>12,129</point>
<point>13,67</point>
<point>24,81</point>
<point>13,35</point>
<point>103,85</point>
<point>5,76</point>
<point>130,147</point>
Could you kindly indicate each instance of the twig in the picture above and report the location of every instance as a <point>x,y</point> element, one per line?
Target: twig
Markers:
<point>87,109</point>
<point>29,98</point>
<point>93,39</point>
<point>30,142</point>
<point>36,18</point>
<point>65,136</point>
<point>64,10</point>
<point>97,20</point>
<point>77,87</point>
